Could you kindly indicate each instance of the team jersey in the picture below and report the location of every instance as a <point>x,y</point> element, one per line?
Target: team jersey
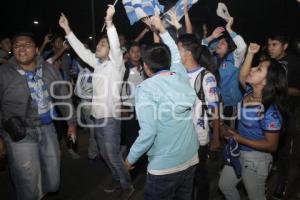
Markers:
<point>254,123</point>
<point>200,117</point>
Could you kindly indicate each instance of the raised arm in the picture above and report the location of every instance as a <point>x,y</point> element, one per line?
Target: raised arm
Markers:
<point>142,34</point>
<point>215,34</point>
<point>147,21</point>
<point>239,52</point>
<point>245,70</point>
<point>45,43</point>
<point>115,53</point>
<point>85,54</point>
<point>173,21</point>
<point>58,54</point>
<point>176,65</point>
<point>188,23</point>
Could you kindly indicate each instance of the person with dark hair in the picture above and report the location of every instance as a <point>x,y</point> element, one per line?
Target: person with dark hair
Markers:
<point>58,57</point>
<point>108,73</point>
<point>27,120</point>
<point>133,76</point>
<point>229,52</point>
<point>277,49</point>
<point>123,42</point>
<point>261,122</point>
<point>5,50</point>
<point>164,109</point>
<point>205,86</point>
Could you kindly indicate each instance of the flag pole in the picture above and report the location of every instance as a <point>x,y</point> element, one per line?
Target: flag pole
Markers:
<point>93,22</point>
<point>104,22</point>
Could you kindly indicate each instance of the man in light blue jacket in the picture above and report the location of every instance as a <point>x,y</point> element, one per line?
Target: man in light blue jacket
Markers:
<point>164,109</point>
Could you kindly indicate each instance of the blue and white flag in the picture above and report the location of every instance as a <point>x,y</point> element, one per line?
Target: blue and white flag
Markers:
<point>138,9</point>
<point>178,8</point>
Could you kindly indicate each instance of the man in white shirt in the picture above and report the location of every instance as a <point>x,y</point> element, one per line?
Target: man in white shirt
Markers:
<point>108,74</point>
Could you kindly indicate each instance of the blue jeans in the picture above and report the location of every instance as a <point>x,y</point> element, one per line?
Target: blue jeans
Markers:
<point>255,170</point>
<point>108,138</point>
<point>34,162</point>
<point>177,186</point>
<point>93,151</point>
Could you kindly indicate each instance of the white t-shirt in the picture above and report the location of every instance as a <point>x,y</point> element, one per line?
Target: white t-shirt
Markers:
<point>210,90</point>
<point>134,79</point>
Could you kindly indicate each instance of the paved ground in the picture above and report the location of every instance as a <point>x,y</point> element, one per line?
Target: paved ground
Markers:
<point>81,181</point>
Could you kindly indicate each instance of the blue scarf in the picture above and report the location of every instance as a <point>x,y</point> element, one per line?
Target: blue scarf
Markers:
<point>39,93</point>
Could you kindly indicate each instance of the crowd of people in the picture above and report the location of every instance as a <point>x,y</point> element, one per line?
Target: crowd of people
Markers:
<point>179,100</point>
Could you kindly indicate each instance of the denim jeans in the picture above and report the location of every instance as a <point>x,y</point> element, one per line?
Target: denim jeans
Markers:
<point>108,135</point>
<point>177,186</point>
<point>34,162</point>
<point>93,150</point>
<point>255,169</point>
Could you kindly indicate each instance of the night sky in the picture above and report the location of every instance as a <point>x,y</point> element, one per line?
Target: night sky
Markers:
<point>254,19</point>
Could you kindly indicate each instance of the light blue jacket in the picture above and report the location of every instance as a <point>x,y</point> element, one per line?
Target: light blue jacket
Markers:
<point>164,109</point>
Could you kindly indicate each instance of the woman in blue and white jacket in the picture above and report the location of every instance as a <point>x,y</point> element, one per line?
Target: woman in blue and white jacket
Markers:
<point>229,57</point>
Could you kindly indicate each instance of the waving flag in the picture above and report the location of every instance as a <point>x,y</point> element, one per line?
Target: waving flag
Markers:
<point>179,9</point>
<point>138,9</point>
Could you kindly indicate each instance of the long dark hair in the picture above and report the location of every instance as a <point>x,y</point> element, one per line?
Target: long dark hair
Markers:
<point>275,91</point>
<point>207,60</point>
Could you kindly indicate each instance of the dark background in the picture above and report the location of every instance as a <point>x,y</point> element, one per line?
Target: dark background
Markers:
<point>254,19</point>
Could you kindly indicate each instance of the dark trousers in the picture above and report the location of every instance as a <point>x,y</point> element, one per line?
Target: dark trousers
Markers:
<point>201,176</point>
<point>177,186</point>
<point>61,128</point>
<point>129,128</point>
<point>229,115</point>
<point>285,147</point>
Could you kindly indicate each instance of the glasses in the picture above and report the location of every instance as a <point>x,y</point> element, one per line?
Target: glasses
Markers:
<point>26,45</point>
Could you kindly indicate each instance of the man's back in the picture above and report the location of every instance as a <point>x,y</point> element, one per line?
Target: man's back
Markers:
<point>170,100</point>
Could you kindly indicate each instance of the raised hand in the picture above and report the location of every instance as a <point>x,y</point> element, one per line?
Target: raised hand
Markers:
<point>174,22</point>
<point>110,12</point>
<point>147,21</point>
<point>218,32</point>
<point>186,6</point>
<point>253,48</point>
<point>64,23</point>
<point>47,38</point>
<point>66,46</point>
<point>157,24</point>
<point>229,24</point>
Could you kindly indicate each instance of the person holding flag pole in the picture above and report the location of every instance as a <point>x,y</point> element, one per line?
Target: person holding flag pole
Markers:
<point>109,70</point>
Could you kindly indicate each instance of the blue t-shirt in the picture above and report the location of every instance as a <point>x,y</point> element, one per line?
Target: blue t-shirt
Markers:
<point>253,123</point>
